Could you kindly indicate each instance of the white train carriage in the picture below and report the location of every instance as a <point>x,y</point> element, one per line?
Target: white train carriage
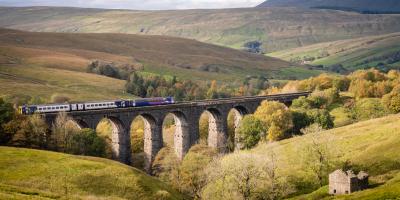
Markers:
<point>98,105</point>
<point>53,108</point>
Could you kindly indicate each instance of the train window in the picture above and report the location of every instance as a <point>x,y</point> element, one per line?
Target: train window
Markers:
<point>57,107</point>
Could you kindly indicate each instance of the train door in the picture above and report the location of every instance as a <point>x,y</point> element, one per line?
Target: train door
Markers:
<point>74,107</point>
<point>81,106</point>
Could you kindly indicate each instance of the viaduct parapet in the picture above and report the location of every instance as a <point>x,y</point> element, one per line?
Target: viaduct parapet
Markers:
<point>186,115</point>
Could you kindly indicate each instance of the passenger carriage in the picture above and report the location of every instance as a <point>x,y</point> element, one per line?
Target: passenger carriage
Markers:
<point>53,108</point>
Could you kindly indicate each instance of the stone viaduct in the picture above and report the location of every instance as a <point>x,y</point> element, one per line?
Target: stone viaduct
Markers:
<point>186,115</point>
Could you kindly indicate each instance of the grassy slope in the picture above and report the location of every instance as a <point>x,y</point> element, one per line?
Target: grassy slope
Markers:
<point>349,53</point>
<point>370,145</point>
<point>277,28</point>
<point>43,73</point>
<point>158,54</point>
<point>47,175</point>
<point>43,64</point>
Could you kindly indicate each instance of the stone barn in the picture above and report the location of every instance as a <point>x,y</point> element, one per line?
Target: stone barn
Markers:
<point>341,182</point>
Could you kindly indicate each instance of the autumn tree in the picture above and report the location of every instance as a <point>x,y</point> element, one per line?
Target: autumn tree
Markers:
<point>62,132</point>
<point>319,155</point>
<point>392,100</point>
<point>368,108</point>
<point>276,115</point>
<point>246,176</point>
<point>193,173</point>
<point>212,92</point>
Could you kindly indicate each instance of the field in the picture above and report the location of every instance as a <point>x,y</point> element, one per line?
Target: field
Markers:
<point>371,145</point>
<point>34,174</point>
<point>41,75</point>
<point>276,28</point>
<point>45,64</point>
<point>350,53</point>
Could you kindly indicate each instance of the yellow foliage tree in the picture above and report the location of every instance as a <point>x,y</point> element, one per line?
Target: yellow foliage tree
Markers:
<point>277,116</point>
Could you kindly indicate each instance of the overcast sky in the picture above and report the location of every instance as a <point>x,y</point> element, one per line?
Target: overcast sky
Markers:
<point>137,4</point>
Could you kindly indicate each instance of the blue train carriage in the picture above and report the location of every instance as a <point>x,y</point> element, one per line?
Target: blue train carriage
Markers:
<point>154,101</point>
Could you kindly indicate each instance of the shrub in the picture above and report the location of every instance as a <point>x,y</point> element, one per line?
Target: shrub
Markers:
<point>368,108</point>
<point>392,100</point>
<point>250,132</point>
<point>321,117</point>
<point>300,120</point>
<point>87,143</point>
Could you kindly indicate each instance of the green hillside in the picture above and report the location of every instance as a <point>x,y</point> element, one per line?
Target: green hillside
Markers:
<point>366,52</point>
<point>44,64</point>
<point>371,145</point>
<point>353,5</point>
<point>34,174</point>
<point>276,28</point>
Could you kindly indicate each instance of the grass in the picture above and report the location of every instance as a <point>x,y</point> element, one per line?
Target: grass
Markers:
<point>34,174</point>
<point>371,145</point>
<point>152,54</point>
<point>350,53</point>
<point>277,28</point>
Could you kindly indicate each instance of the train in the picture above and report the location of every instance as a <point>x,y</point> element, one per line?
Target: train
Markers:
<point>69,107</point>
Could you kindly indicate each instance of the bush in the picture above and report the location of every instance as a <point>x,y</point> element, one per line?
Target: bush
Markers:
<point>300,120</point>
<point>87,143</point>
<point>392,100</point>
<point>321,117</point>
<point>368,109</point>
<point>250,132</point>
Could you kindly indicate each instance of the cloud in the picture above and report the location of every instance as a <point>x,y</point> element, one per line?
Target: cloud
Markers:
<point>136,4</point>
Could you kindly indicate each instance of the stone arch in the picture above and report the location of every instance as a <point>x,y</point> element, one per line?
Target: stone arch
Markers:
<point>79,123</point>
<point>120,144</point>
<point>181,135</point>
<point>217,130</point>
<point>238,113</point>
<point>153,140</point>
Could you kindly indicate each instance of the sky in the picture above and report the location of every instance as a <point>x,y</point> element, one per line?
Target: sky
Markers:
<point>136,4</point>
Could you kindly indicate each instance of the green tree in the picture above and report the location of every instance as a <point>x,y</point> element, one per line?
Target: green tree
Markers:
<point>86,142</point>
<point>250,132</point>
<point>6,115</point>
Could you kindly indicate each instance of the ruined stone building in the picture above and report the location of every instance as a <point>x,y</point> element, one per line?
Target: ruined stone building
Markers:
<point>341,182</point>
